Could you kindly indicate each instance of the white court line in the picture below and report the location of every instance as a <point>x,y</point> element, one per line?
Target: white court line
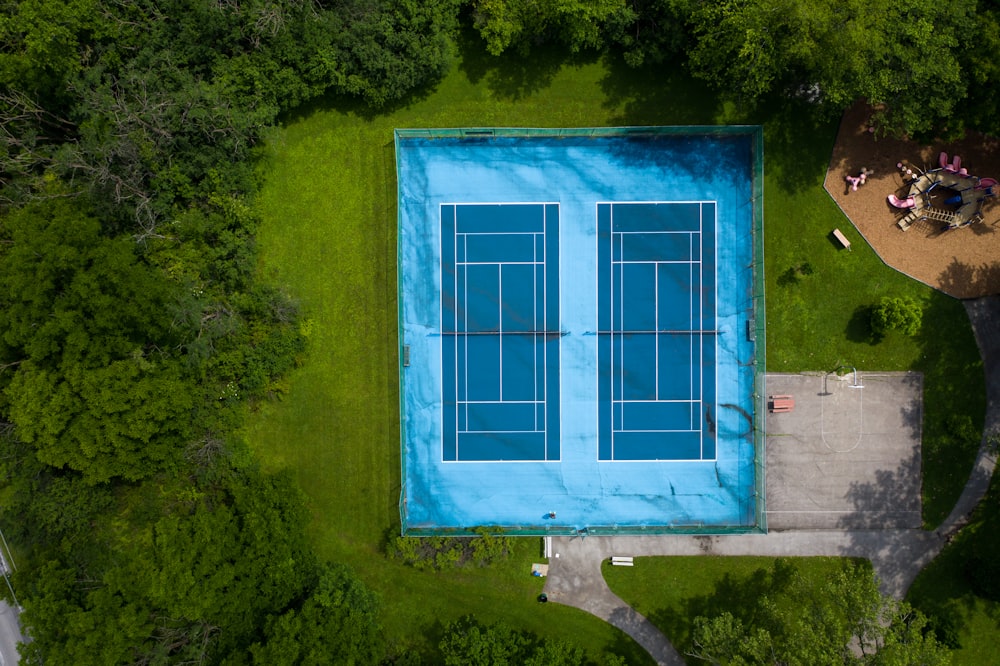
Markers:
<point>534,321</point>
<point>534,305</point>
<point>500,327</point>
<point>473,204</point>
<point>861,423</point>
<point>496,263</point>
<point>464,404</point>
<point>659,431</point>
<point>496,233</point>
<point>665,401</point>
<point>696,310</point>
<point>655,262</point>
<point>503,402</point>
<point>695,304</point>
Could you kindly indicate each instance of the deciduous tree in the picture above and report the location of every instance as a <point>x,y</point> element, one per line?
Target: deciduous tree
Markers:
<point>792,620</point>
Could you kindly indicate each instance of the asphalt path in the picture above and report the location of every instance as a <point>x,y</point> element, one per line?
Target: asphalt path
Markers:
<point>10,625</point>
<point>897,555</point>
<point>10,634</point>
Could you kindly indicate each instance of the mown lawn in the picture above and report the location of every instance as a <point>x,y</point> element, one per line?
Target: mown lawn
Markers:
<point>942,592</point>
<point>945,590</point>
<point>328,238</point>
<point>672,591</point>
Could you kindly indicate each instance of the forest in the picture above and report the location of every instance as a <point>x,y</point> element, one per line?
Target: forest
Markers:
<point>136,334</point>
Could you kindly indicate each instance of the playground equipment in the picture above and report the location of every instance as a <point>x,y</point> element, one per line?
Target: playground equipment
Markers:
<point>969,193</point>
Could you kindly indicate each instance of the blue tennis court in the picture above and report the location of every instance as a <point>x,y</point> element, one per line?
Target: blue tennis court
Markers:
<point>656,305</point>
<point>578,330</point>
<point>500,329</point>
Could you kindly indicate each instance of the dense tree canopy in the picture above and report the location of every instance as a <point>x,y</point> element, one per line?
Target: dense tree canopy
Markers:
<point>791,620</point>
<point>579,24</point>
<point>133,326</point>
<point>837,52</point>
<point>916,62</point>
<point>196,582</point>
<point>134,329</point>
<point>337,606</point>
<point>468,642</point>
<point>96,387</point>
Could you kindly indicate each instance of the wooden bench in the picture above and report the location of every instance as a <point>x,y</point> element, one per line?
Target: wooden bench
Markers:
<point>781,403</point>
<point>841,238</point>
<point>622,561</point>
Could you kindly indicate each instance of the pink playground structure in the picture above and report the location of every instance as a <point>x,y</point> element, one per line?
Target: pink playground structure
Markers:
<point>961,206</point>
<point>860,179</point>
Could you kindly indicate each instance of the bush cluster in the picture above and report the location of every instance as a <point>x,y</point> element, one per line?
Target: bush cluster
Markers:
<point>489,546</point>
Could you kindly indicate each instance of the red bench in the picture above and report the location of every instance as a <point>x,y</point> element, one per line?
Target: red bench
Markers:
<point>781,403</point>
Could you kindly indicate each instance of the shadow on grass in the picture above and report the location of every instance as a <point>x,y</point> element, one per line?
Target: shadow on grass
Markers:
<point>859,326</point>
<point>944,593</point>
<point>797,136</point>
<point>657,95</point>
<point>513,76</point>
<point>954,402</point>
<point>739,595</point>
<point>954,398</point>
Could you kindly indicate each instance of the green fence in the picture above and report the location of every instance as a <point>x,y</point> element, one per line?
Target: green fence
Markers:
<point>756,329</point>
<point>505,132</point>
<point>759,332</point>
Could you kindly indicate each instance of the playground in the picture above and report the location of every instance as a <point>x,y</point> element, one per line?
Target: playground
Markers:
<point>952,255</point>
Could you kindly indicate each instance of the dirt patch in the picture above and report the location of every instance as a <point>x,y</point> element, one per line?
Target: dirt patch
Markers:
<point>963,262</point>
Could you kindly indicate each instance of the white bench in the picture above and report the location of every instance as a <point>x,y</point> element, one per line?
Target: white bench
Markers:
<point>622,561</point>
<point>841,238</point>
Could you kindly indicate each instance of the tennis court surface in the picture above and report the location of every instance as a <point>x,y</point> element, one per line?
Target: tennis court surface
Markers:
<point>578,340</point>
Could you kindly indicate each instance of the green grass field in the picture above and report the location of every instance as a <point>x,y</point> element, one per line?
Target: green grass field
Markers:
<point>672,591</point>
<point>328,238</point>
<point>943,592</point>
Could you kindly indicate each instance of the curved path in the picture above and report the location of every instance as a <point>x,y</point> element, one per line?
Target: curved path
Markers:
<point>575,578</point>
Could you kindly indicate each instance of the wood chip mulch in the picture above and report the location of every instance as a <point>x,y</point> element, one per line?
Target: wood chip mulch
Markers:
<point>963,262</point>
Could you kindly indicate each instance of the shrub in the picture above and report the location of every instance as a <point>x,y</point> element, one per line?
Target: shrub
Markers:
<point>440,552</point>
<point>895,313</point>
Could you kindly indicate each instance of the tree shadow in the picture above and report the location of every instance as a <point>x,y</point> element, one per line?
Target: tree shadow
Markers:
<point>798,138</point>
<point>793,275</point>
<point>961,278</point>
<point>891,501</point>
<point>738,595</point>
<point>514,76</point>
<point>946,590</point>
<point>983,229</point>
<point>859,326</point>
<point>797,135</point>
<point>675,99</point>
<point>691,155</point>
<point>913,414</point>
<point>628,648</point>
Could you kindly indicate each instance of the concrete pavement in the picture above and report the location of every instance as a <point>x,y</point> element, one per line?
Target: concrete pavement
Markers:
<point>848,455</point>
<point>897,555</point>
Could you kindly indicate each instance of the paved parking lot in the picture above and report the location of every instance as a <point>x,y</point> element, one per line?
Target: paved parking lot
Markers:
<point>847,456</point>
